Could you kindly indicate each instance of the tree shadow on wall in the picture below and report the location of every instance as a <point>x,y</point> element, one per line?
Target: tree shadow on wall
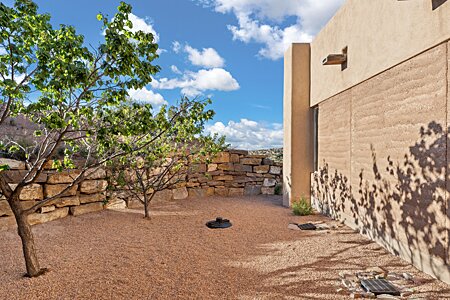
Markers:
<point>406,203</point>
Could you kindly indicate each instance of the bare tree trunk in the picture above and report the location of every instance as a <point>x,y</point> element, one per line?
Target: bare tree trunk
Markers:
<point>146,203</point>
<point>26,234</point>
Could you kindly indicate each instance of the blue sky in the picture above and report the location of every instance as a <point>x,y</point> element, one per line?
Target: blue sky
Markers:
<point>230,50</point>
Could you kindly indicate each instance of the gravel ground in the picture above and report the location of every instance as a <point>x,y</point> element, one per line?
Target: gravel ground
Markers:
<point>119,255</point>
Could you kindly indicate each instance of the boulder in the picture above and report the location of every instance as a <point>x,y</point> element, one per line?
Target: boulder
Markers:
<point>7,223</point>
<point>275,170</point>
<point>62,177</point>
<point>86,208</point>
<point>51,190</point>
<point>234,192</point>
<point>261,169</point>
<point>222,157</point>
<point>221,191</point>
<point>180,193</point>
<point>269,182</point>
<point>5,209</point>
<point>13,164</point>
<point>90,198</point>
<point>93,186</point>
<point>37,218</point>
<point>251,161</point>
<point>252,190</point>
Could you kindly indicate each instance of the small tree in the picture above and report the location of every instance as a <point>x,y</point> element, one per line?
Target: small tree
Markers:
<point>77,97</point>
<point>168,161</point>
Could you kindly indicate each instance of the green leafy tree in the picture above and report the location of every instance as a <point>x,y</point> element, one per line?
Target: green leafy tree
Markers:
<point>168,161</point>
<point>77,97</point>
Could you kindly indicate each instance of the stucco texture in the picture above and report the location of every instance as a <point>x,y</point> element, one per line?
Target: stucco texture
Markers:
<point>379,35</point>
<point>384,159</point>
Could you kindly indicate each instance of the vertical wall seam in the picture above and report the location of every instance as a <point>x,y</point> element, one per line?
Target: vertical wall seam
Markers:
<point>447,223</point>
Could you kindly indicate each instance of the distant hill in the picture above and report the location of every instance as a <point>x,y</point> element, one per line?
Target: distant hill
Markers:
<point>276,154</point>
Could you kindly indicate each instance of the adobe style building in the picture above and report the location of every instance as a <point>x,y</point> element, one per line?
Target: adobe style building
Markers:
<point>366,118</point>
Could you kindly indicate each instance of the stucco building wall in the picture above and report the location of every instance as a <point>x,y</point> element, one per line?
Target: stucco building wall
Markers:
<point>379,35</point>
<point>383,159</point>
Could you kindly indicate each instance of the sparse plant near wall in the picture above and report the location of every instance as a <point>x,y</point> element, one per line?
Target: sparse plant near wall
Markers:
<point>278,189</point>
<point>302,207</point>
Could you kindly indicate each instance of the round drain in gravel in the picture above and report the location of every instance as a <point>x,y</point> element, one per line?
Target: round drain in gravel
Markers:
<point>218,223</point>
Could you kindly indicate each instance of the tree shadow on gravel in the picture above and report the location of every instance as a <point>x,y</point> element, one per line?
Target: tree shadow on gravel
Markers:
<point>404,207</point>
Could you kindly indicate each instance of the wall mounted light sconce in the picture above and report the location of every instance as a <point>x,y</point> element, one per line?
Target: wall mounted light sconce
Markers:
<point>337,59</point>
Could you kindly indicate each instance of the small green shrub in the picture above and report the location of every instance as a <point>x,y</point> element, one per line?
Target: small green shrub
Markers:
<point>278,189</point>
<point>302,207</point>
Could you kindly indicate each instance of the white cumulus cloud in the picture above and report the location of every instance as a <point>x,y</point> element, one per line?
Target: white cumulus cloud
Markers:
<point>147,96</point>
<point>195,83</point>
<point>259,21</point>
<point>140,24</point>
<point>175,69</point>
<point>207,57</point>
<point>249,135</point>
<point>176,46</point>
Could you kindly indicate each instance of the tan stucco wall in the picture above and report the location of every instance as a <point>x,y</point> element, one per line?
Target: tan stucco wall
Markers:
<point>379,34</point>
<point>298,151</point>
<point>399,116</point>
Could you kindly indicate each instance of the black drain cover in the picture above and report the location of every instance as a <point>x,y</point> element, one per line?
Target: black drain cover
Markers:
<point>218,223</point>
<point>380,286</point>
<point>307,226</point>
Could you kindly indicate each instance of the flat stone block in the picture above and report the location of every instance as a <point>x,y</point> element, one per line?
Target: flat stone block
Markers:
<point>224,178</point>
<point>268,191</point>
<point>251,161</point>
<point>51,190</point>
<point>221,191</point>
<point>180,193</point>
<point>93,186</point>
<point>269,182</point>
<point>38,218</point>
<point>90,198</point>
<point>13,164</point>
<point>261,169</point>
<point>275,170</point>
<point>86,208</point>
<point>67,201</point>
<point>236,192</point>
<point>222,157</point>
<point>252,190</point>
<point>62,177</point>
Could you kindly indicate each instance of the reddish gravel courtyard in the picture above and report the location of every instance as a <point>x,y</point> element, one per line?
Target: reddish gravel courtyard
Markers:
<point>119,255</point>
